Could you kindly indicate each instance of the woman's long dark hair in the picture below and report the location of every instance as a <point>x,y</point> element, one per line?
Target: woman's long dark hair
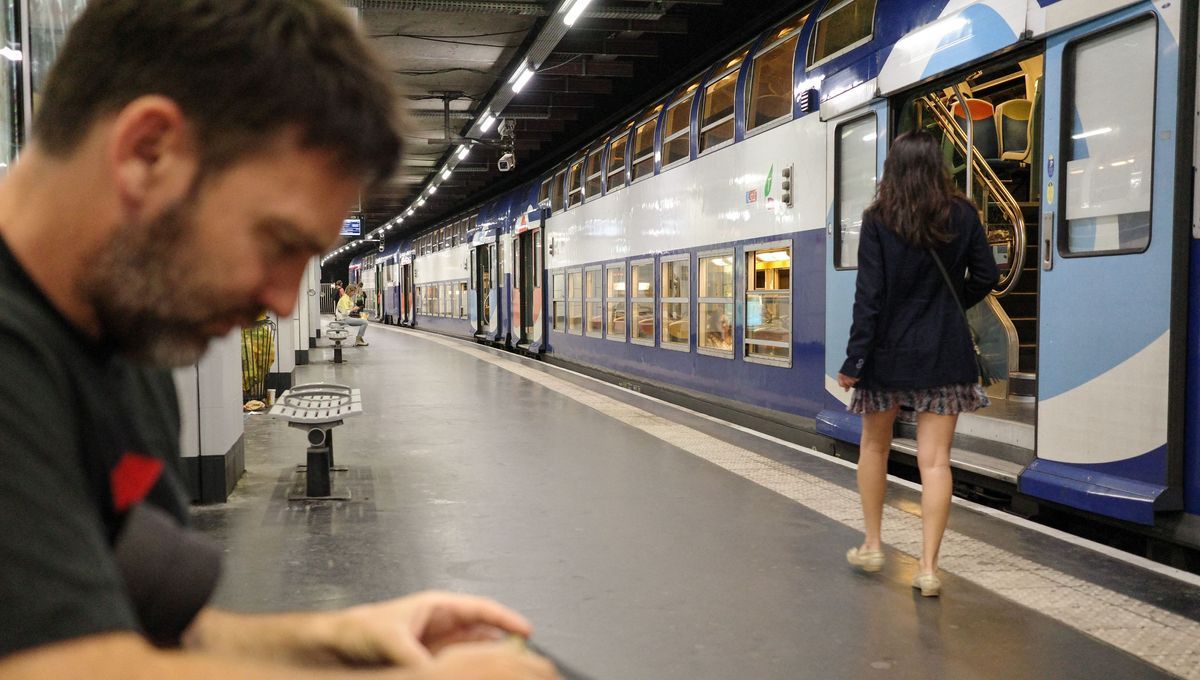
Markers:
<point>916,195</point>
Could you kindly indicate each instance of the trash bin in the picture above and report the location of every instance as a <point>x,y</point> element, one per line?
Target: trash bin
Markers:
<point>258,353</point>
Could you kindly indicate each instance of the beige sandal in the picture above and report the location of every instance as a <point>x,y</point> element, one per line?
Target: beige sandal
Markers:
<point>929,584</point>
<point>867,560</point>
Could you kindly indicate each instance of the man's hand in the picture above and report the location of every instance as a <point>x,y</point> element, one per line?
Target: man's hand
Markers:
<point>488,661</point>
<point>846,382</point>
<point>411,630</point>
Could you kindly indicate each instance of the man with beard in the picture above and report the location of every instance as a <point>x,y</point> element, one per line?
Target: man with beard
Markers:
<point>189,158</point>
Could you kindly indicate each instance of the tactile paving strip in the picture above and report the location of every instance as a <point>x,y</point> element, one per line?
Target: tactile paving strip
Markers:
<point>1160,637</point>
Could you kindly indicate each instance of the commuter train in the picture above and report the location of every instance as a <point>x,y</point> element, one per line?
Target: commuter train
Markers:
<point>708,245</point>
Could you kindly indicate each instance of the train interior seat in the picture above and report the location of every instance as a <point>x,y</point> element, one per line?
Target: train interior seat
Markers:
<point>1014,123</point>
<point>983,126</point>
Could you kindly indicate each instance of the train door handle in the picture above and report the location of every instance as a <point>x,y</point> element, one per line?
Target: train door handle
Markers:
<point>1048,241</point>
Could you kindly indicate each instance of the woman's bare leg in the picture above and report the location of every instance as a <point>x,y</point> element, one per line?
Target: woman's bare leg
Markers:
<point>934,435</point>
<point>873,451</point>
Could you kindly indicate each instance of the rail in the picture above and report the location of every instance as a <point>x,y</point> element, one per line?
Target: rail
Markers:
<point>1004,199</point>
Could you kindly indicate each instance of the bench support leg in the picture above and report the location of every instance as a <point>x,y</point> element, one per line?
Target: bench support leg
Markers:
<point>317,475</point>
<point>337,353</point>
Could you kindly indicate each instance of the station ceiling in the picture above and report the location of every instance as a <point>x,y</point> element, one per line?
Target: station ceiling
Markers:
<point>451,58</point>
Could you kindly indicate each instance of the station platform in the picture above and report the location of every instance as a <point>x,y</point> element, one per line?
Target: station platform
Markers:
<point>649,542</point>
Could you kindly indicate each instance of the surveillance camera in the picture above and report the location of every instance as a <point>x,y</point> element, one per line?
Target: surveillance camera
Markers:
<point>381,246</point>
<point>507,163</point>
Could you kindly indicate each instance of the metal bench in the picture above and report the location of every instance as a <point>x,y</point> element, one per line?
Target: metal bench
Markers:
<point>338,332</point>
<point>318,408</point>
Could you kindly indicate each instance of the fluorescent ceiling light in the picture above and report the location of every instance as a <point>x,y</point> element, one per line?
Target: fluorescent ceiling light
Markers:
<point>519,72</point>
<point>576,10</point>
<point>421,202</point>
<point>522,80</point>
<point>432,189</point>
<point>776,256</point>
<point>446,174</point>
<point>464,151</point>
<point>488,121</point>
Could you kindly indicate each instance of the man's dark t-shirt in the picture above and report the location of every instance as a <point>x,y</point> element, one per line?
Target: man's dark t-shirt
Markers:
<point>88,440</point>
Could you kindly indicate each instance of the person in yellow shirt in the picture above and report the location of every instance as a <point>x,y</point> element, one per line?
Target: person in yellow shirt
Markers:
<point>348,313</point>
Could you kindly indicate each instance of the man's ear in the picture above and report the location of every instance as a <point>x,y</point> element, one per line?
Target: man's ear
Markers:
<point>152,154</point>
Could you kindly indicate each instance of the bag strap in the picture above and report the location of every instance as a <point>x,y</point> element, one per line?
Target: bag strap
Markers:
<point>957,302</point>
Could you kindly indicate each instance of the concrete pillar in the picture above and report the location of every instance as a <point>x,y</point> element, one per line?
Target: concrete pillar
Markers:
<point>280,376</point>
<point>212,439</point>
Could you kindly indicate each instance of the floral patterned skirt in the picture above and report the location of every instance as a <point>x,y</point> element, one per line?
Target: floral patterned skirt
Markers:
<point>946,400</point>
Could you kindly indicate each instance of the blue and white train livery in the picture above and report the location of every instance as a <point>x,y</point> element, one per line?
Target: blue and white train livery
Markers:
<point>709,244</point>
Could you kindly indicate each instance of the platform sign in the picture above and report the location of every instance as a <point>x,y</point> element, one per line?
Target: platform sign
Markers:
<point>352,227</point>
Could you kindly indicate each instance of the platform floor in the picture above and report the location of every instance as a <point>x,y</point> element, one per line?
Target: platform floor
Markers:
<point>647,542</point>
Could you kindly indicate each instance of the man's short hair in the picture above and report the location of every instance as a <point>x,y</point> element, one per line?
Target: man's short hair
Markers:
<point>242,71</point>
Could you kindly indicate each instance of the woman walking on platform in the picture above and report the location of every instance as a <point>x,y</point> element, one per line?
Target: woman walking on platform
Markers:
<point>909,344</point>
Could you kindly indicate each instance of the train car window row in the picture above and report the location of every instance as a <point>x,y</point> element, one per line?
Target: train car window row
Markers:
<point>715,304</point>
<point>720,97</point>
<point>677,139</point>
<point>641,291</point>
<point>676,329</point>
<point>643,145</point>
<point>617,152</point>
<point>769,94</point>
<point>1110,151</point>
<point>768,310</point>
<point>593,302</point>
<point>615,327</point>
<point>841,28</point>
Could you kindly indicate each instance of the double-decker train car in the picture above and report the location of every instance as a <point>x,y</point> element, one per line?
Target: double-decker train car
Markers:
<point>708,245</point>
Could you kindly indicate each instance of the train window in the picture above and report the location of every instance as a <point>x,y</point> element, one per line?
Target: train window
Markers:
<point>575,184</point>
<point>840,28</point>
<point>575,302</point>
<point>559,295</point>
<point>771,77</point>
<point>556,191</point>
<point>769,304</point>
<point>715,304</point>
<point>676,329</point>
<point>544,193</point>
<point>855,167</point>
<point>593,303</point>
<point>677,138</point>
<point>616,160</point>
<point>643,145</point>
<point>641,308</point>
<point>614,312</point>
<point>1110,151</point>
<point>717,120</point>
<point>595,173</point>
<point>433,303</point>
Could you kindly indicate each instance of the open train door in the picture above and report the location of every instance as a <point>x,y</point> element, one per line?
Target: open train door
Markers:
<point>484,290</point>
<point>406,292</point>
<point>528,315</point>
<point>1111,360</point>
<point>857,146</point>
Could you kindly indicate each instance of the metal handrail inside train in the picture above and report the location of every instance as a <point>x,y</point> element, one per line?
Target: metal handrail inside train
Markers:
<point>1003,198</point>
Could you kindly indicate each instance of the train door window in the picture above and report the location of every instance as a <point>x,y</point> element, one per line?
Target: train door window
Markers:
<point>641,290</point>
<point>715,304</point>
<point>593,303</point>
<point>575,301</point>
<point>616,160</point>
<point>676,330</point>
<point>855,166</point>
<point>717,121</point>
<point>772,75</point>
<point>595,174</point>
<point>614,312</point>
<point>643,145</point>
<point>558,294</point>
<point>841,28</point>
<point>575,184</point>
<point>769,304</point>
<point>677,138</point>
<point>556,191</point>
<point>1110,151</point>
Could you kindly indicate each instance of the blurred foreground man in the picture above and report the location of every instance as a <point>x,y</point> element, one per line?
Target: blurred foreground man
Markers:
<point>189,158</point>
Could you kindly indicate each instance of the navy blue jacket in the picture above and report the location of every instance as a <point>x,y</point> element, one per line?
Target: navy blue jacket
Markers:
<point>907,333</point>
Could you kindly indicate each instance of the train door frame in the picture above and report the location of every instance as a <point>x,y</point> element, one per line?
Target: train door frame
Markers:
<point>1087,391</point>
<point>835,421</point>
<point>528,278</point>
<point>407,317</point>
<point>484,325</point>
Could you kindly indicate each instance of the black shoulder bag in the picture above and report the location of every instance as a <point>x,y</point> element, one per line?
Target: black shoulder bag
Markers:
<point>986,377</point>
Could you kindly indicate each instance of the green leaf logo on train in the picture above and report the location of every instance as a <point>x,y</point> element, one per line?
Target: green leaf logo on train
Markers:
<point>770,181</point>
